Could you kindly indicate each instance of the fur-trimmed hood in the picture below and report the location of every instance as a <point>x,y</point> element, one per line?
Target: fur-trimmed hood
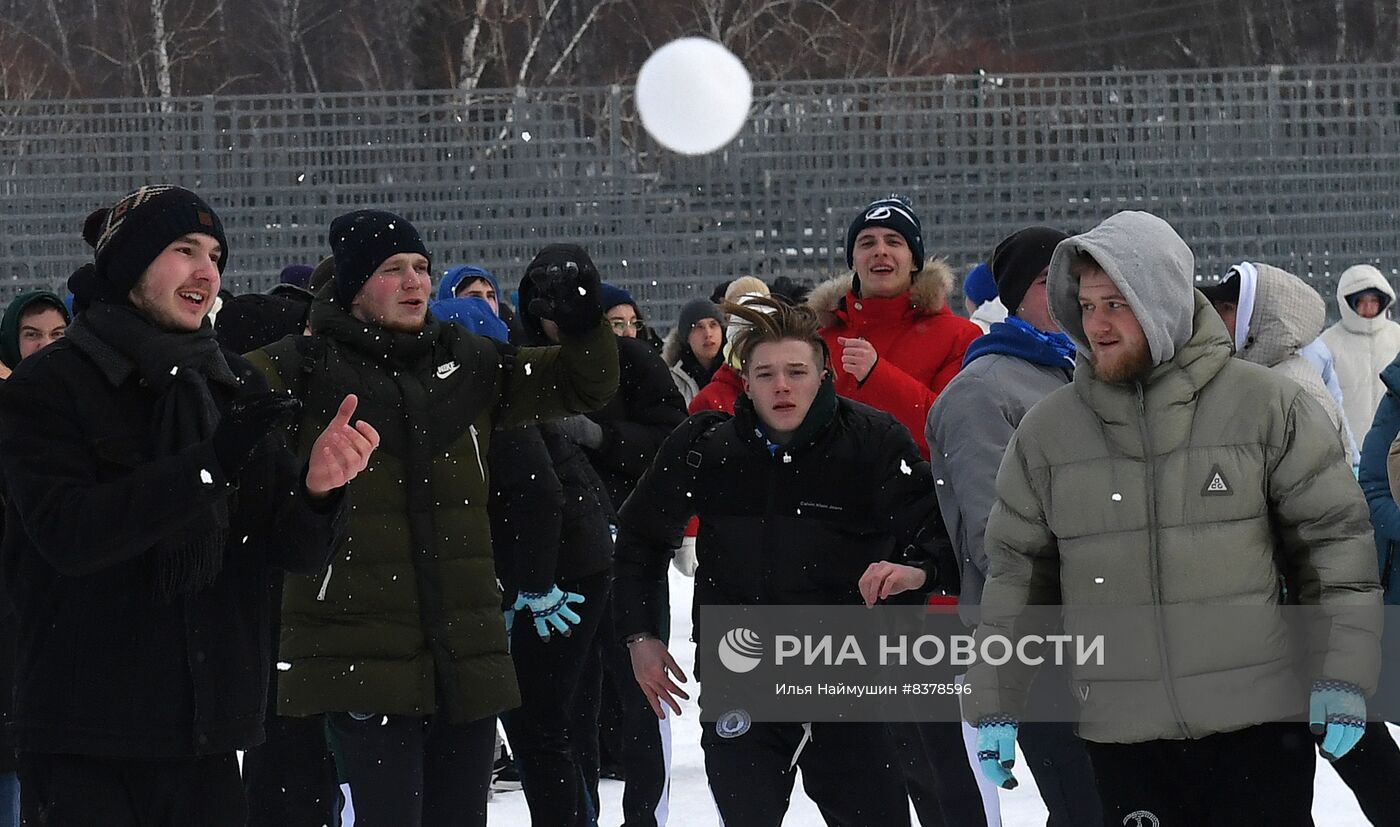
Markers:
<point>929,292</point>
<point>671,349</point>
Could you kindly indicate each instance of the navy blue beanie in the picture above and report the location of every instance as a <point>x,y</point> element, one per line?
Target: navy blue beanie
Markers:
<point>613,296</point>
<point>980,286</point>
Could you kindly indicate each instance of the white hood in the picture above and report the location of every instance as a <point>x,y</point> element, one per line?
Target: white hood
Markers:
<point>1355,279</point>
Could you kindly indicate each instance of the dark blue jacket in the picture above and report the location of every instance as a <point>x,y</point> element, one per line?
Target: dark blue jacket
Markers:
<point>1385,514</point>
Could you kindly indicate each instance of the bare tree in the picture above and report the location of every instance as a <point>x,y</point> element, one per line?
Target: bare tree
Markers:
<point>160,46</point>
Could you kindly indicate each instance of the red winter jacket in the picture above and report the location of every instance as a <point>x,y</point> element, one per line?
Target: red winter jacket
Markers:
<point>920,343</point>
<point>724,388</point>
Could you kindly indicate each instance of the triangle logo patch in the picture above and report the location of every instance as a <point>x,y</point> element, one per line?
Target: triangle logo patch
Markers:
<point>1216,484</point>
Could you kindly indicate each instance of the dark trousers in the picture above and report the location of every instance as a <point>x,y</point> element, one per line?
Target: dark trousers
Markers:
<point>938,775</point>
<point>290,779</point>
<point>539,731</point>
<point>1372,771</point>
<point>642,745</point>
<point>848,769</point>
<point>1259,775</point>
<point>1063,773</point>
<point>84,791</point>
<point>414,771</point>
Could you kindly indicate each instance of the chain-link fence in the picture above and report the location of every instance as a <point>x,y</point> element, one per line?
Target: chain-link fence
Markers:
<point>1295,166</point>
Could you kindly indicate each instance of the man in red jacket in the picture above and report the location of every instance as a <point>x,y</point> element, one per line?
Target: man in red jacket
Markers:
<point>893,340</point>
<point>894,346</point>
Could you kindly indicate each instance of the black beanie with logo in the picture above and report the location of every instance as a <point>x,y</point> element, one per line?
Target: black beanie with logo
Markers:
<point>130,235</point>
<point>895,213</point>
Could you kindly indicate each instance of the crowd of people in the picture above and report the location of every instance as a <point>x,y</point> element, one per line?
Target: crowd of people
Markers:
<point>359,525</point>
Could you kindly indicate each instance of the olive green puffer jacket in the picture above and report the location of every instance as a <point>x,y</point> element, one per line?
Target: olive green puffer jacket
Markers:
<point>1108,497</point>
<point>407,618</point>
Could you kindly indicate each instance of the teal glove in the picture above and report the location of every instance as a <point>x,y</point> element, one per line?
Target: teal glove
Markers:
<point>1338,709</point>
<point>550,609</point>
<point>996,749</point>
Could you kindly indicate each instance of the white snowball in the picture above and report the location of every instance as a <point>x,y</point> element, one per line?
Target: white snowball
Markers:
<point>693,95</point>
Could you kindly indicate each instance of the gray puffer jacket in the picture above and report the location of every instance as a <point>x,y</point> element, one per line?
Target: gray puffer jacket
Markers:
<point>968,429</point>
<point>1207,485</point>
<point>1287,314</point>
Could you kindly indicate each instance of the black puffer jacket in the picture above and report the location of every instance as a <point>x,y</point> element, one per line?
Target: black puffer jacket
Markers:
<point>105,666</point>
<point>549,515</point>
<point>798,526</point>
<point>586,545</point>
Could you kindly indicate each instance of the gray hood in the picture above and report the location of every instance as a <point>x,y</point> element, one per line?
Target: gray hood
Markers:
<point>1148,262</point>
<point>1287,315</point>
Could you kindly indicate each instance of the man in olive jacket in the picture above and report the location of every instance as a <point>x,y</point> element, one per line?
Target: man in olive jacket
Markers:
<point>1168,481</point>
<point>401,640</point>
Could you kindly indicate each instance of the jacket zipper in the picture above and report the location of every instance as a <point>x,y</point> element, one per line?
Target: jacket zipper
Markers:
<point>771,502</point>
<point>477,447</point>
<point>325,581</point>
<point>1155,568</point>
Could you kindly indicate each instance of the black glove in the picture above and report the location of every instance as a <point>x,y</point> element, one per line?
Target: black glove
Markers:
<point>243,426</point>
<point>568,289</point>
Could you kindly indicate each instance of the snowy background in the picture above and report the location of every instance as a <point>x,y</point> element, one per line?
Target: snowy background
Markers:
<point>691,805</point>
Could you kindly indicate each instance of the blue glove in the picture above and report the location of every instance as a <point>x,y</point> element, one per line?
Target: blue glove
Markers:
<point>550,609</point>
<point>996,749</point>
<point>1338,709</point>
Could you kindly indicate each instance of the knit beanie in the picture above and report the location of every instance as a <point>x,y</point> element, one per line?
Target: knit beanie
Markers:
<point>295,274</point>
<point>695,310</point>
<point>613,296</point>
<point>979,286</point>
<point>130,235</point>
<point>322,275</point>
<point>897,214</point>
<point>363,240</point>
<point>1019,260</point>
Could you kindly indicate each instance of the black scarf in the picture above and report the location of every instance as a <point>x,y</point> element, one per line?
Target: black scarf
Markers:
<point>701,374</point>
<point>397,350</point>
<point>176,368</point>
<point>818,417</point>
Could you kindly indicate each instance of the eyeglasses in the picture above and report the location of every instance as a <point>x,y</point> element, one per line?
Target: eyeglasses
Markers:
<point>619,325</point>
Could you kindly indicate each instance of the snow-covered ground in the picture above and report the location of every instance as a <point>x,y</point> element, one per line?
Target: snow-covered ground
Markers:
<point>691,805</point>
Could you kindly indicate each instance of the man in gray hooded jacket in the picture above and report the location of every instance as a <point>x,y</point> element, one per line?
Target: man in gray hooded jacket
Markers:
<point>1166,483</point>
<point>1018,362</point>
